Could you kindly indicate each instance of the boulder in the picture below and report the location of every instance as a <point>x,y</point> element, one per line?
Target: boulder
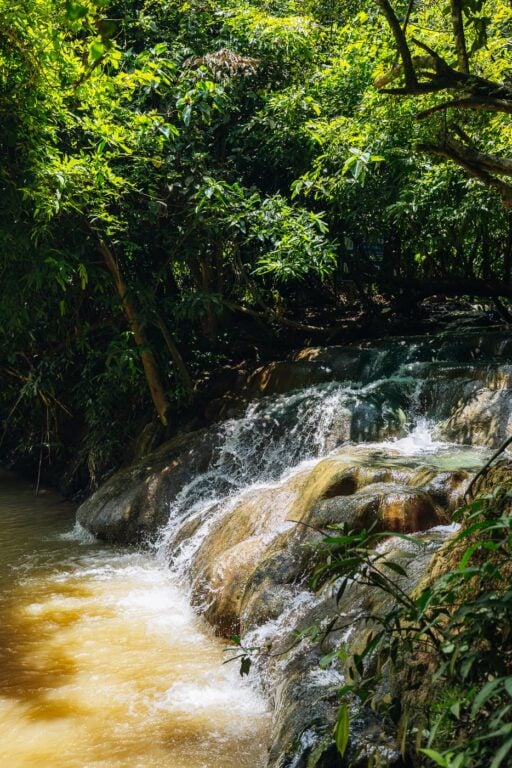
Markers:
<point>134,502</point>
<point>484,418</point>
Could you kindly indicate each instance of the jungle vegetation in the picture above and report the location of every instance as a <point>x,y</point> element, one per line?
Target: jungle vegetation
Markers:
<point>183,182</point>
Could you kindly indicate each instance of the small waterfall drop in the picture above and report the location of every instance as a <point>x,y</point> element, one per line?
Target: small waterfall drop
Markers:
<point>274,438</point>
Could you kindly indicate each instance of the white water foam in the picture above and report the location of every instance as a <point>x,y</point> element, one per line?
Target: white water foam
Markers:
<point>274,438</point>
<point>419,441</point>
<point>78,534</point>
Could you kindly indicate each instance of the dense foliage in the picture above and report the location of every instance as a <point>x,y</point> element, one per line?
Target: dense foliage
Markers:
<point>181,180</point>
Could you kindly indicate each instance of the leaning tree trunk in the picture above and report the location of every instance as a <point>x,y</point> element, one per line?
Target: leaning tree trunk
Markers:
<point>148,359</point>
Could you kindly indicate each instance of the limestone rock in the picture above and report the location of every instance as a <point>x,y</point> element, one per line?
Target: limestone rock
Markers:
<point>483,419</point>
<point>134,501</point>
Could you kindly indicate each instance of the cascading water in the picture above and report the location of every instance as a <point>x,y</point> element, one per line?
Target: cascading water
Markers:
<point>276,436</point>
<point>239,512</point>
<point>373,438</point>
<point>281,436</point>
<point>254,451</point>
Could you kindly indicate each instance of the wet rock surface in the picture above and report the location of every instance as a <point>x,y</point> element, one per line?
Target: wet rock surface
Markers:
<point>133,502</point>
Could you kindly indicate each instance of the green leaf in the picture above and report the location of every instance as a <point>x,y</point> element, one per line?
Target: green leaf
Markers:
<point>394,567</point>
<point>327,660</point>
<point>84,278</point>
<point>75,11</point>
<point>485,694</point>
<point>437,757</point>
<point>341,731</point>
<point>424,599</point>
<point>501,754</point>
<point>97,50</point>
<point>106,28</point>
<point>187,114</point>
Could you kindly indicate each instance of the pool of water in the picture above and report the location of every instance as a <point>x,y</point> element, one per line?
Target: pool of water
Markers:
<point>103,664</point>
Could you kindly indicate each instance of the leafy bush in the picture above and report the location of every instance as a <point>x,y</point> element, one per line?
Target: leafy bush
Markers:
<point>445,647</point>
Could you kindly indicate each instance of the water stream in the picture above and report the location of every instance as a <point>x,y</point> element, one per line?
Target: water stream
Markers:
<point>103,663</point>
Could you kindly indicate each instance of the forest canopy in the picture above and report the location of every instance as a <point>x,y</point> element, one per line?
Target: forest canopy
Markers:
<point>173,172</point>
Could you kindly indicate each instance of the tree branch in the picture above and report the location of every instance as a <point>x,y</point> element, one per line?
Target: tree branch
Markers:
<point>408,15</point>
<point>271,316</point>
<point>460,38</point>
<point>476,164</point>
<point>469,102</point>
<point>401,43</point>
<point>482,472</point>
<point>437,75</point>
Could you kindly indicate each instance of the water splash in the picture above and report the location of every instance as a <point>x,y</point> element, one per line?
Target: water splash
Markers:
<point>272,439</point>
<point>104,662</point>
<point>79,534</point>
<point>420,440</point>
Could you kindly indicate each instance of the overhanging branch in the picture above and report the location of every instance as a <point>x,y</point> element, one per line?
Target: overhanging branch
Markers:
<point>469,160</point>
<point>469,102</point>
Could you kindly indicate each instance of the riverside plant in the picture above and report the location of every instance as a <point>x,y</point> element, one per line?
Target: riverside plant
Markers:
<point>447,644</point>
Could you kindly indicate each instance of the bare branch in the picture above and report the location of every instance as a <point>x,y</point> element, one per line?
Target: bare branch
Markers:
<point>442,67</point>
<point>491,163</point>
<point>469,102</point>
<point>408,15</point>
<point>471,164</point>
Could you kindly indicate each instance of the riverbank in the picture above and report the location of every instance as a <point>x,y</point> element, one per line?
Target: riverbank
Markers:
<point>64,457</point>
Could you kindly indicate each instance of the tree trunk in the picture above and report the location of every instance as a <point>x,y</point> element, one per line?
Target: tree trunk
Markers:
<point>148,359</point>
<point>460,39</point>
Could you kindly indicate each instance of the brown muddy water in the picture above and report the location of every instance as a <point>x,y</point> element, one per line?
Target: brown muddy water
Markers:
<point>103,664</point>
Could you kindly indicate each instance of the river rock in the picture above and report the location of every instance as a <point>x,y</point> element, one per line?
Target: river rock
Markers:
<point>266,539</point>
<point>485,418</point>
<point>134,502</point>
<point>307,699</point>
<point>254,550</point>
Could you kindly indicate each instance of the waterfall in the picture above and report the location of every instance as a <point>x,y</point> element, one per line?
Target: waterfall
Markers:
<point>388,433</point>
<point>273,438</point>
